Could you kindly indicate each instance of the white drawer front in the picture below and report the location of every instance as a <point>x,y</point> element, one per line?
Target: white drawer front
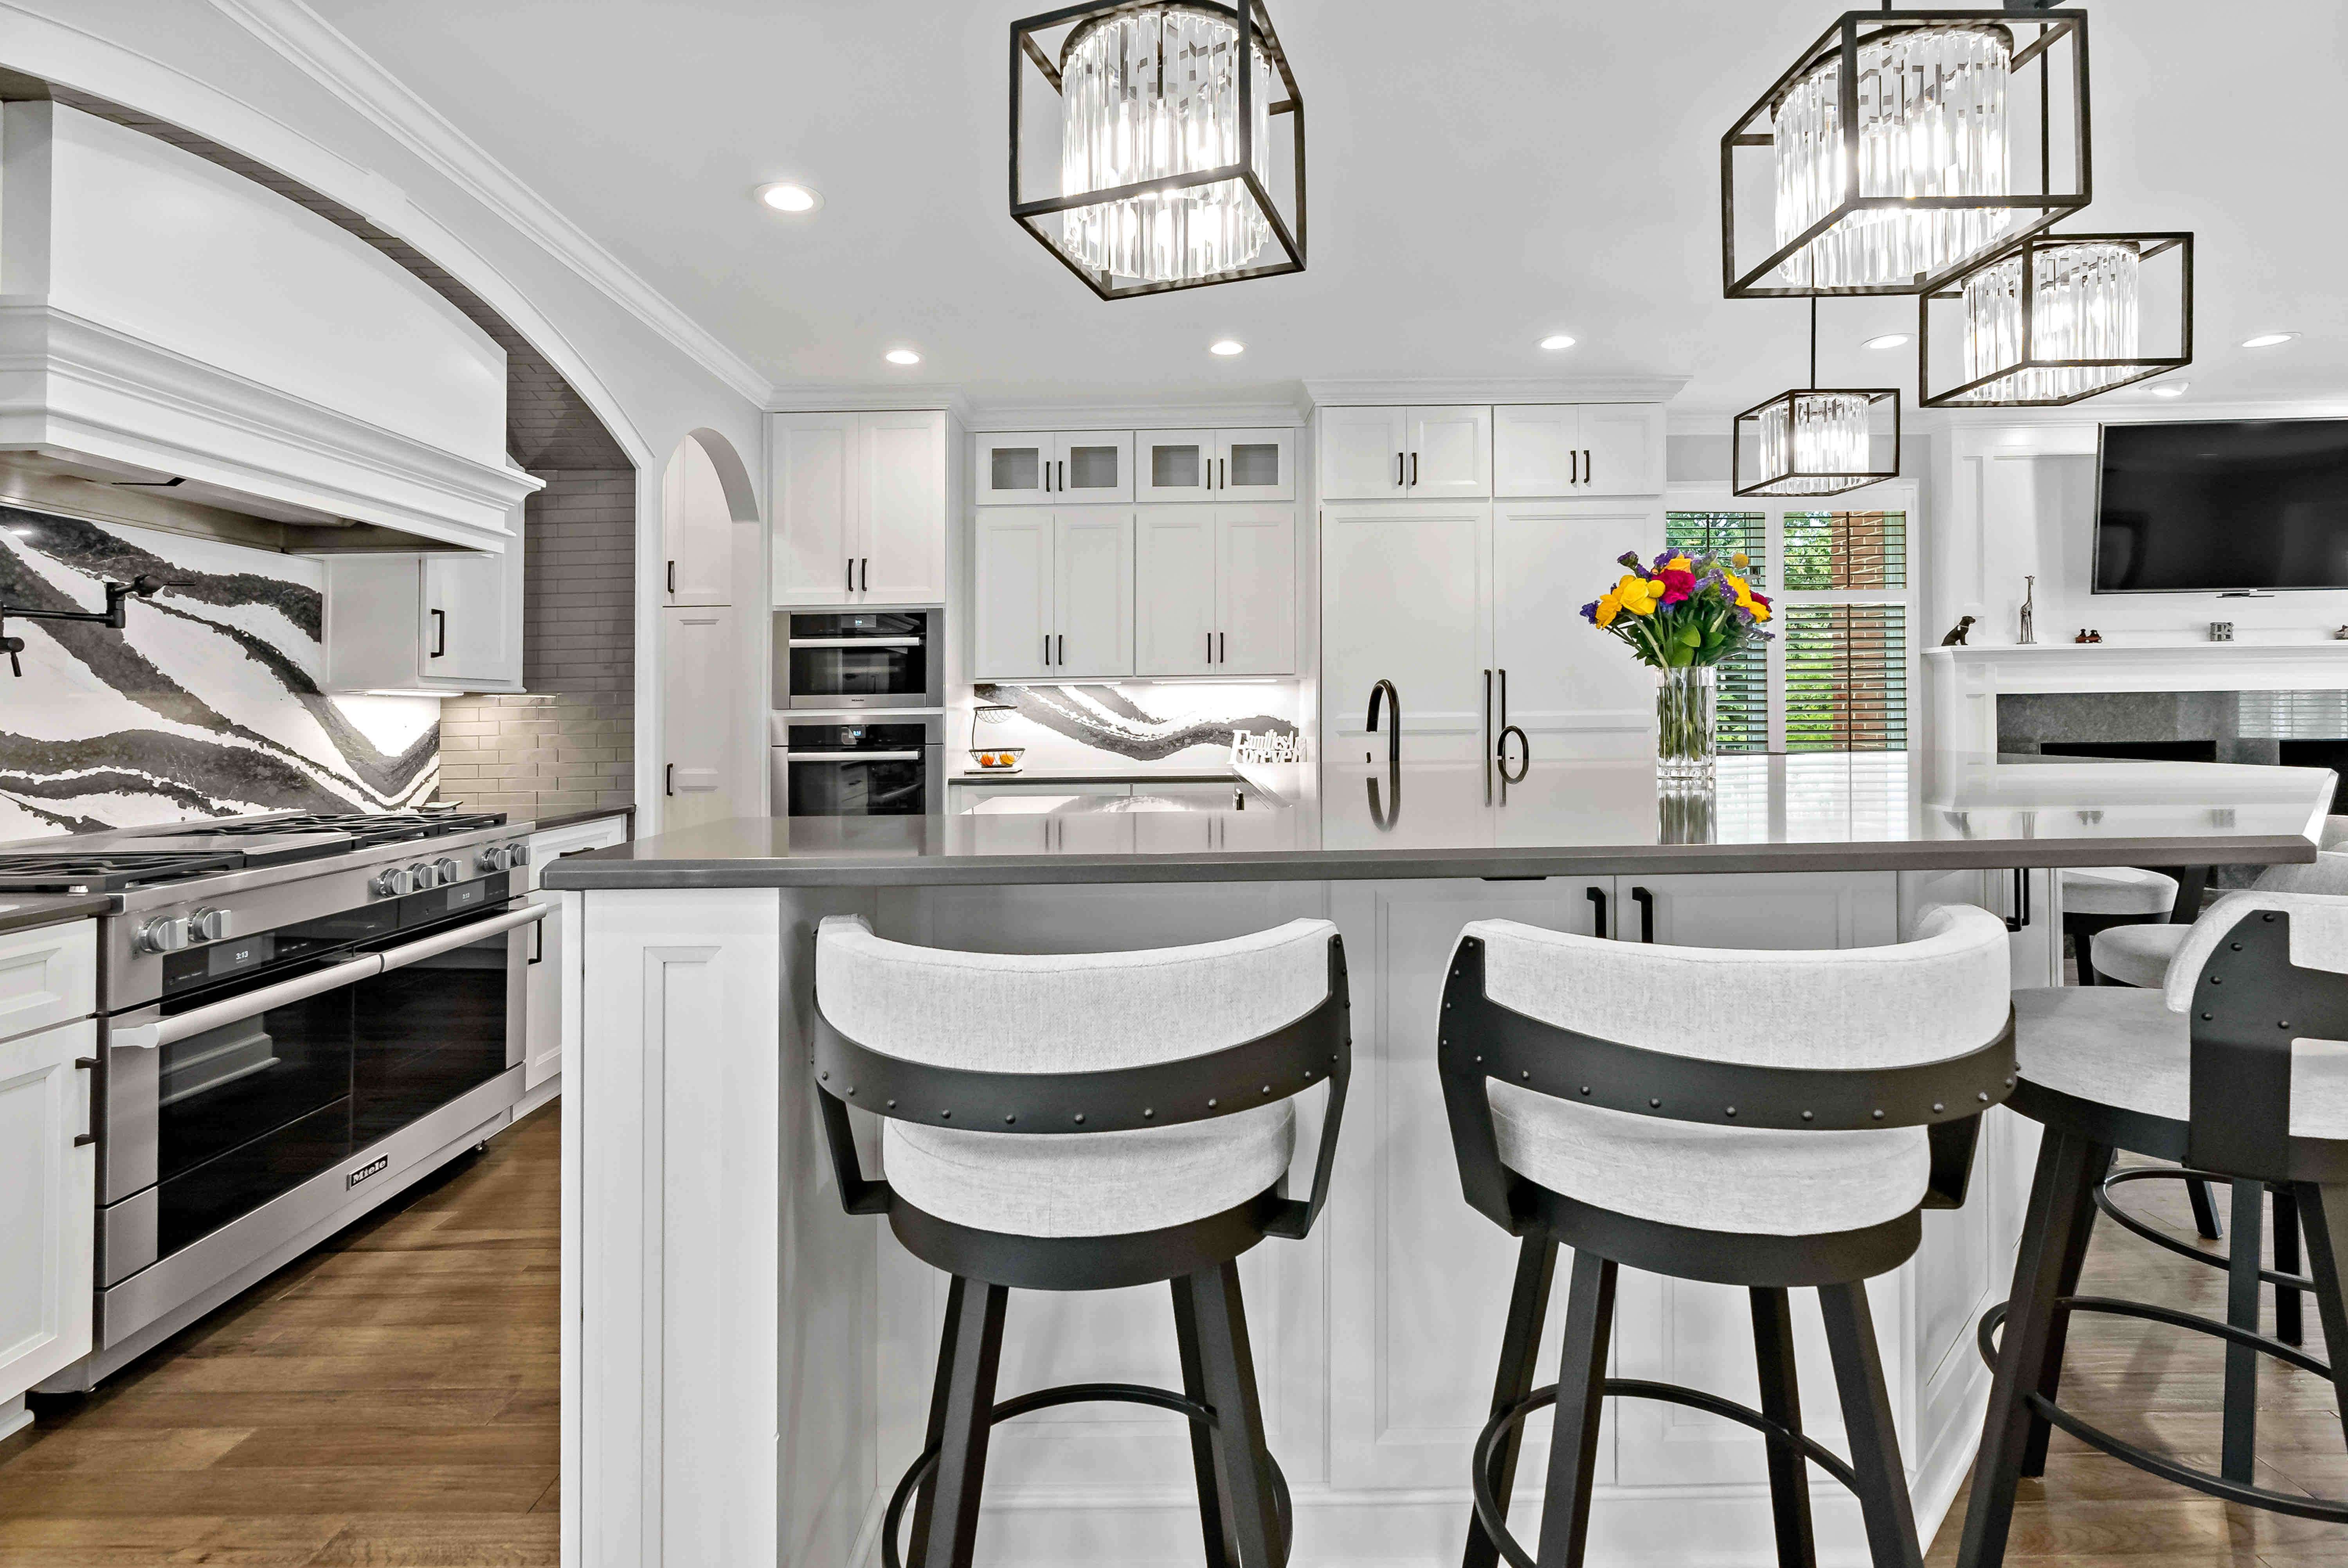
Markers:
<point>47,975</point>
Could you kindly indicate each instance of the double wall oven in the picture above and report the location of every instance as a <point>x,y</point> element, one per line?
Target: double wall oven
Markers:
<point>841,660</point>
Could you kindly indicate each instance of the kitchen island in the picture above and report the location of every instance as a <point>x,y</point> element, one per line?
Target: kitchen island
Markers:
<point>747,1368</point>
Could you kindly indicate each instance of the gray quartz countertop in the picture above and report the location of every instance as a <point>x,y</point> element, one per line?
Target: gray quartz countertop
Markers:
<point>1804,812</point>
<point>23,912</point>
<point>571,819</point>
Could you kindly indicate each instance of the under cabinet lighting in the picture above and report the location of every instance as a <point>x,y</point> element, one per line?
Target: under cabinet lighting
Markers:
<point>2269,339</point>
<point>790,197</point>
<point>901,357</point>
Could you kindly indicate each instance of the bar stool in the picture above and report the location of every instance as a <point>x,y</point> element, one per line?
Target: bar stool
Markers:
<point>1086,1123</point>
<point>2210,1072</point>
<point>2140,956</point>
<point>2098,899</point>
<point>1769,1120</point>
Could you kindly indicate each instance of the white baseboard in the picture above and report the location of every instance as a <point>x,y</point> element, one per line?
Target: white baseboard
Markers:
<point>16,1415</point>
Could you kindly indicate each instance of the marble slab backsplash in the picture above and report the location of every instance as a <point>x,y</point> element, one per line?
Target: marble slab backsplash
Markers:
<point>206,704</point>
<point>1139,726</point>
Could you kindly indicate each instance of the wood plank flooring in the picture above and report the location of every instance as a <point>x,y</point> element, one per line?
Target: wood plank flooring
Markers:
<point>2162,1387</point>
<point>391,1399</point>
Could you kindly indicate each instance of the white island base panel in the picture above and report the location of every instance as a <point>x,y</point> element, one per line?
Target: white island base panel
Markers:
<point>746,1369</point>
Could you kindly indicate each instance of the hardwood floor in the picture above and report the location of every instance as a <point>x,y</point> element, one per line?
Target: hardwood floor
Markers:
<point>391,1400</point>
<point>2162,1387</point>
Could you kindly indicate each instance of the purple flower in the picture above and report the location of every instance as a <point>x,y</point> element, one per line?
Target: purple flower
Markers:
<point>1630,557</point>
<point>1590,612</point>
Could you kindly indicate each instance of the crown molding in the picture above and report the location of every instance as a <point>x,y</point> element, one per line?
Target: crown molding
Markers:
<point>1099,414</point>
<point>314,47</point>
<point>1352,392</point>
<point>852,398</point>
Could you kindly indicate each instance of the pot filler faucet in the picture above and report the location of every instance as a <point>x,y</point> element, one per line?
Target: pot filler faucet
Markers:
<point>1393,720</point>
<point>118,595</point>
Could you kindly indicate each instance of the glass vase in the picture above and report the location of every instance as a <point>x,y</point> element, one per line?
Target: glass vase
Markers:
<point>1684,741</point>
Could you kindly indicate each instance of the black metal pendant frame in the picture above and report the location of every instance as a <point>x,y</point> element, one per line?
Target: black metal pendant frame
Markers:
<point>2142,368</point>
<point>1255,30</point>
<point>1766,485</point>
<point>1845,38</point>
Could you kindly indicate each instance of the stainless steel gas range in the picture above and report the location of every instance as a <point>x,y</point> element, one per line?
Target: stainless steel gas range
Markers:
<point>300,1015</point>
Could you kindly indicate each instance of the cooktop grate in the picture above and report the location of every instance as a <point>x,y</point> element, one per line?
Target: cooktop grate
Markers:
<point>112,872</point>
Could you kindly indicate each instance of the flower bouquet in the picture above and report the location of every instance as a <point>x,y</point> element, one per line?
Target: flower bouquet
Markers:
<point>1682,617</point>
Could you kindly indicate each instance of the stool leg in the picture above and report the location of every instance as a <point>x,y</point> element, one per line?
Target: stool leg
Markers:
<point>2061,1199</point>
<point>1581,1400</point>
<point>2058,1332</point>
<point>2239,1453</point>
<point>925,1500</point>
<point>2324,1210</point>
<point>974,1342</point>
<point>2288,1327</point>
<point>1519,1345</point>
<point>1228,1374</point>
<point>1867,1417</point>
<point>1781,1401</point>
<point>1222,1551</point>
<point>2205,1210</point>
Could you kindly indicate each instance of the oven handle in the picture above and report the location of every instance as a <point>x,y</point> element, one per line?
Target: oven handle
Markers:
<point>857,641</point>
<point>196,1020</point>
<point>463,936</point>
<point>852,756</point>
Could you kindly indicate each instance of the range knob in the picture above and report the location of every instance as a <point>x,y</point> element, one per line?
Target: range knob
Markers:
<point>492,858</point>
<point>447,871</point>
<point>420,876</point>
<point>518,853</point>
<point>164,933</point>
<point>389,883</point>
<point>208,925</point>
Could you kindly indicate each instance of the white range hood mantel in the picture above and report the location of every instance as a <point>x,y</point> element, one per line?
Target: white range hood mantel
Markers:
<point>1965,683</point>
<point>161,318</point>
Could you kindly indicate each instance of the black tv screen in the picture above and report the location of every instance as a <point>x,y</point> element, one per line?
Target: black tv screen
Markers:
<point>2202,508</point>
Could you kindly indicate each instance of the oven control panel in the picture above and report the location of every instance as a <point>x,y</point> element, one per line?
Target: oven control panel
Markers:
<point>447,871</point>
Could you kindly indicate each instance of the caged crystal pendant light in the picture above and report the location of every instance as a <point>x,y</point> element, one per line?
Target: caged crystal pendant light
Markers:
<point>1162,134</point>
<point>1816,441</point>
<point>1885,159</point>
<point>2059,318</point>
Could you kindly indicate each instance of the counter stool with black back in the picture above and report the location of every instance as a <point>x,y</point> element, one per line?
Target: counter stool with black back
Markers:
<point>2140,956</point>
<point>2234,1068</point>
<point>2098,899</point>
<point>1086,1123</point>
<point>1768,1120</point>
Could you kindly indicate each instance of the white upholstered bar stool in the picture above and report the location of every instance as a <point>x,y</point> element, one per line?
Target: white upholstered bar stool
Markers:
<point>1768,1120</point>
<point>1086,1123</point>
<point>2100,899</point>
<point>2238,1068</point>
<point>2140,954</point>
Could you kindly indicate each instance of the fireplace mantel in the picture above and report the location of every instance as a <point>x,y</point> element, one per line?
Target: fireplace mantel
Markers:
<point>1965,683</point>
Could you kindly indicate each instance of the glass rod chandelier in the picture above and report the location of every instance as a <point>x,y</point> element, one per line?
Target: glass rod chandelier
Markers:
<point>1165,154</point>
<point>1893,150</point>
<point>2060,318</point>
<point>1816,441</point>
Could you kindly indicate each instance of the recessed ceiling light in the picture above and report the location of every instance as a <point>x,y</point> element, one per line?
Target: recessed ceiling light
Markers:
<point>1889,340</point>
<point>2171,390</point>
<point>901,357</point>
<point>2268,339</point>
<point>1556,341</point>
<point>788,197</point>
<point>1227,348</point>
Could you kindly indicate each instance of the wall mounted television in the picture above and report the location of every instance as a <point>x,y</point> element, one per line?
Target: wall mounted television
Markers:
<point>2223,506</point>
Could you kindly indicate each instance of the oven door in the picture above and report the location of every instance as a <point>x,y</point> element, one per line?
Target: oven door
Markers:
<point>876,659</point>
<point>446,1015</point>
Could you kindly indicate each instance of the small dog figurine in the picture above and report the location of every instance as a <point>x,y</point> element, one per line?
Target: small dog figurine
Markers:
<point>1956,637</point>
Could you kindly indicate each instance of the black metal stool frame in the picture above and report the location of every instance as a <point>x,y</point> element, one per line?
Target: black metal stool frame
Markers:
<point>2249,1004</point>
<point>1478,1040</point>
<point>1244,1507</point>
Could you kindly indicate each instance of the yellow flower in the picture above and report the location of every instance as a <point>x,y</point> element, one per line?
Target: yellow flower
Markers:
<point>1638,595</point>
<point>1736,585</point>
<point>1610,604</point>
<point>1678,563</point>
<point>1747,601</point>
<point>1740,560</point>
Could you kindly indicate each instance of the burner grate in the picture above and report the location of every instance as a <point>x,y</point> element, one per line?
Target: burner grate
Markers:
<point>105,872</point>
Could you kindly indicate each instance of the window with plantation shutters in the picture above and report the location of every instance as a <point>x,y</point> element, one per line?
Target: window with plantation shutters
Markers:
<point>1846,676</point>
<point>1741,701</point>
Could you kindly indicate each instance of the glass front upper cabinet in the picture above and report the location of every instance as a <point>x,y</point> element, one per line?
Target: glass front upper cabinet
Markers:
<point>1069,467</point>
<point>1213,465</point>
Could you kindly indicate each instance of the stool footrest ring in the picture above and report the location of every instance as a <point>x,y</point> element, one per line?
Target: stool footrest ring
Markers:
<point>2330,1510</point>
<point>1075,1394</point>
<point>1487,1508</point>
<point>2104,1201</point>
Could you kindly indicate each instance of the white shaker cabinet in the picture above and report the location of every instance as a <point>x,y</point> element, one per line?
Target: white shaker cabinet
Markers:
<point>1215,590</point>
<point>447,622</point>
<point>1402,599</point>
<point>862,507</point>
<point>1092,592</point>
<point>1450,453</point>
<point>1067,467</point>
<point>49,1159</point>
<point>1363,453</point>
<point>554,979</point>
<point>696,730</point>
<point>1578,449</point>
<point>1573,692</point>
<point>1174,600</point>
<point>1431,453</point>
<point>1214,465</point>
<point>1054,594</point>
<point>696,531</point>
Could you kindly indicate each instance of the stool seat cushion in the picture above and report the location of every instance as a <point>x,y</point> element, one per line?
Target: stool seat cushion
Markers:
<point>2117,890</point>
<point>1088,1183</point>
<point>2136,954</point>
<point>1755,1180</point>
<point>2120,1046</point>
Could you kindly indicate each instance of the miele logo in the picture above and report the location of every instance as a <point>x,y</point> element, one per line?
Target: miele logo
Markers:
<point>375,1167</point>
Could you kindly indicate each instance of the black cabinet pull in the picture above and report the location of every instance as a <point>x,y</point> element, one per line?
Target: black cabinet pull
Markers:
<point>1646,902</point>
<point>1222,648</point>
<point>1589,469</point>
<point>1414,471</point>
<point>86,1065</point>
<point>1224,473</point>
<point>1597,897</point>
<point>851,575</point>
<point>1397,470</point>
<point>538,947</point>
<point>867,574</point>
<point>1063,659</point>
<point>439,633</point>
<point>1047,647</point>
<point>1573,466</point>
<point>668,779</point>
<point>1210,647</point>
<point>671,576</point>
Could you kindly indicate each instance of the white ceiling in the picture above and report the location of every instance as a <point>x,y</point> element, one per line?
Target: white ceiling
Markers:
<point>1482,172</point>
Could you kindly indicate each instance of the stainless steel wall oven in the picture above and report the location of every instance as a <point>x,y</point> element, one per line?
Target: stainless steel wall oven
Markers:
<point>840,659</point>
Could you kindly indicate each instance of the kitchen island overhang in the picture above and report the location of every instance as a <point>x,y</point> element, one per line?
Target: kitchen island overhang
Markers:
<point>747,1366</point>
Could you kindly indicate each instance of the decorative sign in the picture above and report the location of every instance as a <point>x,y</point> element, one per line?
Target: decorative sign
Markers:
<point>1272,746</point>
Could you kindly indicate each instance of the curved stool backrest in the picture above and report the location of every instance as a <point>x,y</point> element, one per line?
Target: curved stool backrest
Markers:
<point>1919,1033</point>
<point>1076,1045</point>
<point>2327,874</point>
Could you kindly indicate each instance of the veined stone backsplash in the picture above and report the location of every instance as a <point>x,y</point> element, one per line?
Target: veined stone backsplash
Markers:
<point>207,705</point>
<point>1136,724</point>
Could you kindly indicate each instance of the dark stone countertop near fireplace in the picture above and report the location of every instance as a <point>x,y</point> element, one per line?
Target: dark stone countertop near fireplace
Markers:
<point>1808,811</point>
<point>29,911</point>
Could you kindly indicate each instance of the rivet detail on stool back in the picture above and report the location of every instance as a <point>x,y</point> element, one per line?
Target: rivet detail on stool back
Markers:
<point>2247,1004</point>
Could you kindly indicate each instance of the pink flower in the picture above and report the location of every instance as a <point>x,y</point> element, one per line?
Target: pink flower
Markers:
<point>1677,584</point>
